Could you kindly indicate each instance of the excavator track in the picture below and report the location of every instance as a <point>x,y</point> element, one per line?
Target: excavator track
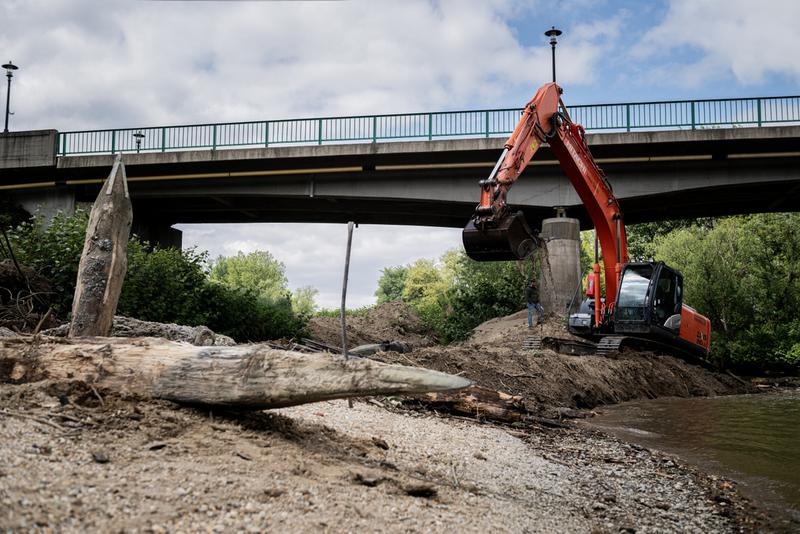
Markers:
<point>560,345</point>
<point>532,343</point>
<point>609,345</point>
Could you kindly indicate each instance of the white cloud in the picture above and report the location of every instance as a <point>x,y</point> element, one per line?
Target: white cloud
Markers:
<point>118,63</point>
<point>732,37</point>
<point>314,253</point>
<point>88,64</point>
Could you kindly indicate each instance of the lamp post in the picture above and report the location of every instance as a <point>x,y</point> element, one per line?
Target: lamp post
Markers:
<point>138,136</point>
<point>552,33</point>
<point>10,68</point>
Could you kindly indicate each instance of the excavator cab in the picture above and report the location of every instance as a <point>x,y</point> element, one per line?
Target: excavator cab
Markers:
<point>509,238</point>
<point>650,300</point>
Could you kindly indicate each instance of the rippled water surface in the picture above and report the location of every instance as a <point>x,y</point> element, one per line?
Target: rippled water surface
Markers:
<point>754,439</point>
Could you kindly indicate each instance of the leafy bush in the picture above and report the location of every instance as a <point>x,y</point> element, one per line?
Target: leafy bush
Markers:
<point>245,315</point>
<point>455,294</point>
<point>481,291</point>
<point>54,251</point>
<point>165,284</point>
<point>743,273</point>
<point>335,312</point>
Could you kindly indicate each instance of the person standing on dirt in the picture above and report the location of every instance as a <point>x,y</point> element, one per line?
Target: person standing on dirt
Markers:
<point>532,295</point>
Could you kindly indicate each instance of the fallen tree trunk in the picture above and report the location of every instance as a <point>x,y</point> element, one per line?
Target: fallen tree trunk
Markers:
<point>479,402</point>
<point>251,377</point>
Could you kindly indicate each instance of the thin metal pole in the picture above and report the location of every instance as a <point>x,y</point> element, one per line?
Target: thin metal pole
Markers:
<point>8,100</point>
<point>350,226</point>
<point>553,34</point>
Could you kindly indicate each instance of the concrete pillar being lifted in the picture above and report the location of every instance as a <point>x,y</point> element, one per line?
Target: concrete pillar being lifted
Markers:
<point>561,263</point>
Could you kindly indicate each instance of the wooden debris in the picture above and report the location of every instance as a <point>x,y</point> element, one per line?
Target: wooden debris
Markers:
<point>479,402</point>
<point>104,259</point>
<point>252,377</point>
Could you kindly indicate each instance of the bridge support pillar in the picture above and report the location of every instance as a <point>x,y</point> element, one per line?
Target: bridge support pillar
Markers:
<point>47,202</point>
<point>158,234</point>
<point>560,271</point>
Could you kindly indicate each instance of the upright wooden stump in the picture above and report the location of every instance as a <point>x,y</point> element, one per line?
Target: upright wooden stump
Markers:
<point>104,259</point>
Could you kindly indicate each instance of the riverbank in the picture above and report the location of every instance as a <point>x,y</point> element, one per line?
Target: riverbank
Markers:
<point>495,357</point>
<point>75,459</point>
<point>750,438</point>
<point>77,463</point>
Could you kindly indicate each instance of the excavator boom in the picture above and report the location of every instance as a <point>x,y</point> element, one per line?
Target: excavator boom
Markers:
<point>495,232</point>
<point>650,294</point>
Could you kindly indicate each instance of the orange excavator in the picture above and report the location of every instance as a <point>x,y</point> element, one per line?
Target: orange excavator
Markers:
<point>643,304</point>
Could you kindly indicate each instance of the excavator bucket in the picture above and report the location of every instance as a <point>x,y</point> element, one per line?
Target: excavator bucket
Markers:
<point>508,239</point>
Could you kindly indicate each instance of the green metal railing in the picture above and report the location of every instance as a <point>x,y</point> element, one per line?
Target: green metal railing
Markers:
<point>682,114</point>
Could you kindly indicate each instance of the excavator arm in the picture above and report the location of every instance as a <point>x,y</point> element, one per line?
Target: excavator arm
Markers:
<point>495,233</point>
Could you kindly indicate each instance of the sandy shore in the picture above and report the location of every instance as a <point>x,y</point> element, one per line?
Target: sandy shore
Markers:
<point>71,464</point>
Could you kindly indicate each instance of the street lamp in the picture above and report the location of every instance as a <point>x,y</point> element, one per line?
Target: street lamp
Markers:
<point>552,33</point>
<point>10,68</point>
<point>139,136</point>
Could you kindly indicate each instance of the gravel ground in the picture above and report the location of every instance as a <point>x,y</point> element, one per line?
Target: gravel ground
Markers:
<point>71,463</point>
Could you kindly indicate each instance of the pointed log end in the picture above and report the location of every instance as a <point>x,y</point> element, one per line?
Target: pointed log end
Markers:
<point>419,380</point>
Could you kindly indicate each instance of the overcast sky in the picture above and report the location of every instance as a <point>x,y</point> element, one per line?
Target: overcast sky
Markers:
<point>105,64</point>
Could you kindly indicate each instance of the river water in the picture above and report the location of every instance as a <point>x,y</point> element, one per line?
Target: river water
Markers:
<point>753,439</point>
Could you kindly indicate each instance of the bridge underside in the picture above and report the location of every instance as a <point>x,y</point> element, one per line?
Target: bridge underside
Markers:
<point>231,208</point>
<point>656,176</point>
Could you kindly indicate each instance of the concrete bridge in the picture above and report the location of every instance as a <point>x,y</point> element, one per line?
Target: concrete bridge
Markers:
<point>656,175</point>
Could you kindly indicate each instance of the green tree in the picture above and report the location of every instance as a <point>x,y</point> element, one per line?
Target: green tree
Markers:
<point>742,273</point>
<point>257,271</point>
<point>455,294</point>
<point>423,282</point>
<point>303,301</point>
<point>587,251</point>
<point>641,237</point>
<point>391,284</point>
<point>481,291</point>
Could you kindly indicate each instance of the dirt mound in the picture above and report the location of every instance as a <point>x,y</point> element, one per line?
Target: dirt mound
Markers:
<point>391,321</point>
<point>494,357</point>
<point>511,330</point>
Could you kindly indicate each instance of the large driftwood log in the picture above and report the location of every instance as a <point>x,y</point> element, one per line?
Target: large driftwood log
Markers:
<point>104,259</point>
<point>243,377</point>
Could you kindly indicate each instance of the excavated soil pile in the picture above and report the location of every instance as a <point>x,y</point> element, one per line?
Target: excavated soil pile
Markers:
<point>391,321</point>
<point>494,357</point>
